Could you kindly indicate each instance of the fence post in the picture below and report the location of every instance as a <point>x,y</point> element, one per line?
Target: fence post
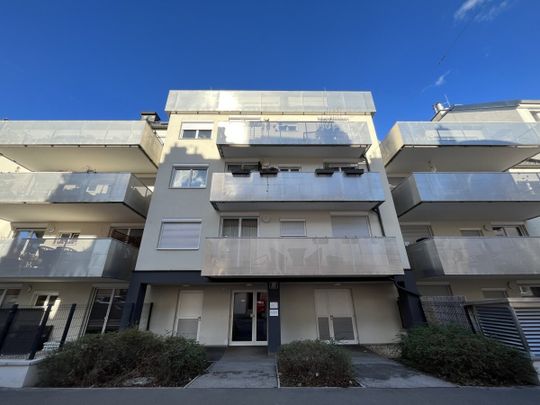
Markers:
<point>68,324</point>
<point>39,333</point>
<point>7,325</point>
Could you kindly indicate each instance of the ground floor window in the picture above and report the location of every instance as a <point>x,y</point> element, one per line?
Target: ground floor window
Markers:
<point>106,311</point>
<point>8,297</point>
<point>493,293</point>
<point>44,299</point>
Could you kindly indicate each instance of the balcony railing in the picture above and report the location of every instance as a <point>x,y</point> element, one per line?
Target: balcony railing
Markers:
<point>271,138</point>
<point>301,257</point>
<point>19,140</point>
<point>522,141</point>
<point>290,190</point>
<point>475,256</point>
<point>66,258</point>
<point>501,196</point>
<point>323,102</point>
<point>18,189</point>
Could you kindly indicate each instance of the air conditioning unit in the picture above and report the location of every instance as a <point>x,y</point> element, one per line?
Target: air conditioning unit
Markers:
<point>525,291</point>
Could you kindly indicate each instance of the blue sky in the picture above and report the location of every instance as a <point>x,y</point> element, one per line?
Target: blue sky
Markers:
<point>112,59</point>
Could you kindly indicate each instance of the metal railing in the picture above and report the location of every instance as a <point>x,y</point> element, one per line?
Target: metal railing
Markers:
<point>60,187</point>
<point>27,332</point>
<point>284,257</point>
<point>297,187</point>
<point>49,258</point>
<point>329,133</point>
<point>475,256</point>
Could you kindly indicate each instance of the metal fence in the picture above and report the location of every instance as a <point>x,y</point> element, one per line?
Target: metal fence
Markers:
<point>446,310</point>
<point>29,332</point>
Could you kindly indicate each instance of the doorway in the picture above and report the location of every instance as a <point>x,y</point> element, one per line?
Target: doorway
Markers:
<point>249,318</point>
<point>335,316</point>
<point>106,311</point>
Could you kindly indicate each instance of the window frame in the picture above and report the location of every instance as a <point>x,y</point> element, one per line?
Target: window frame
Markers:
<point>197,127</point>
<point>176,167</point>
<point>48,294</point>
<point>4,292</point>
<point>240,219</point>
<point>290,168</point>
<point>179,221</point>
<point>281,220</point>
<point>520,227</point>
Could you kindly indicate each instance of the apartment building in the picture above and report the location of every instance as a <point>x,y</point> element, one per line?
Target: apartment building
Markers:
<point>467,194</point>
<point>272,220</point>
<point>74,196</point>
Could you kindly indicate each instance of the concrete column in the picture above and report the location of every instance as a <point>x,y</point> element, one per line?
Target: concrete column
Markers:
<point>131,314</point>
<point>274,322</point>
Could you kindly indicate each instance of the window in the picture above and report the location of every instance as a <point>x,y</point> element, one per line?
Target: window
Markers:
<point>471,232</point>
<point>411,233</point>
<point>181,235</point>
<point>350,226</point>
<point>239,227</point>
<point>197,130</point>
<point>509,230</point>
<point>106,311</point>
<point>536,115</point>
<point>189,177</point>
<point>289,168</point>
<point>340,166</point>
<point>529,290</point>
<point>290,228</point>
<point>44,299</point>
<point>494,293</point>
<point>8,297</point>
<point>435,290</point>
<point>66,238</point>
<point>251,166</point>
<point>131,236</point>
<point>29,233</point>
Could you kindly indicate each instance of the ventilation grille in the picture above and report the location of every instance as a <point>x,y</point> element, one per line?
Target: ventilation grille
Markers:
<point>187,328</point>
<point>529,319</point>
<point>497,322</point>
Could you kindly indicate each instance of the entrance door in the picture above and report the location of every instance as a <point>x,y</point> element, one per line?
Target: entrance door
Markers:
<point>189,313</point>
<point>335,316</point>
<point>249,318</point>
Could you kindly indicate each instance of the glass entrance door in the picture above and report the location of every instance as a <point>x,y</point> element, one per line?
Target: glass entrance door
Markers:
<point>106,310</point>
<point>249,318</point>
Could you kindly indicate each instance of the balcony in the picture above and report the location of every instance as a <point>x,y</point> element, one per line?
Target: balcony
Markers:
<point>45,259</point>
<point>327,139</point>
<point>301,257</point>
<point>73,197</point>
<point>291,191</point>
<point>468,196</point>
<point>475,256</point>
<point>457,146</point>
<point>104,146</point>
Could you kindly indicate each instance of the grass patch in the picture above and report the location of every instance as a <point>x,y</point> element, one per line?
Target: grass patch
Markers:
<point>312,363</point>
<point>465,358</point>
<point>115,359</point>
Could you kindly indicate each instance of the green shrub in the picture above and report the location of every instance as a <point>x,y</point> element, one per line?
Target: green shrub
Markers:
<point>109,360</point>
<point>310,363</point>
<point>465,358</point>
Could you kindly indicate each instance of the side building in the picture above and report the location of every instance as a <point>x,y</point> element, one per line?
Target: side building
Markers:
<point>74,196</point>
<point>467,192</point>
<point>272,220</point>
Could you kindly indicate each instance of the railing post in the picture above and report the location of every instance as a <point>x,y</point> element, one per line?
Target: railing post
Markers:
<point>7,325</point>
<point>68,324</point>
<point>39,333</point>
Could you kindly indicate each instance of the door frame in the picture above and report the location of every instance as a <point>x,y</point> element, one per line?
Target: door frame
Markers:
<point>330,324</point>
<point>253,341</point>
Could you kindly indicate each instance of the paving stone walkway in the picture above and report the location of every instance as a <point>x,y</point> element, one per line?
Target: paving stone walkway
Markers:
<point>240,367</point>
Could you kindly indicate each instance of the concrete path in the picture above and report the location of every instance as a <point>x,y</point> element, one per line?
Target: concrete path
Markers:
<point>240,367</point>
<point>374,371</point>
<point>284,396</point>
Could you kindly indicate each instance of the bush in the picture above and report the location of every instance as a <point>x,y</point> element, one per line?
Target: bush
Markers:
<point>111,359</point>
<point>465,358</point>
<point>312,363</point>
